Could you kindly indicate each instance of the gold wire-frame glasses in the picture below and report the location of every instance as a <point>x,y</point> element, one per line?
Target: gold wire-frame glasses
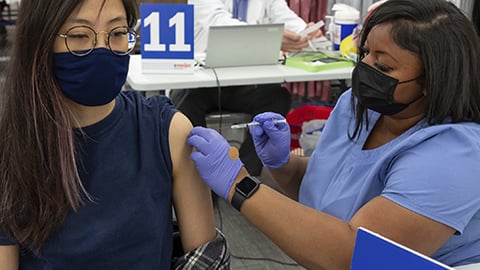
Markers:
<point>80,40</point>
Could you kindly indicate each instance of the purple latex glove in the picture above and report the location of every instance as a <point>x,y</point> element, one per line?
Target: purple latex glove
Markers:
<point>211,156</point>
<point>272,141</point>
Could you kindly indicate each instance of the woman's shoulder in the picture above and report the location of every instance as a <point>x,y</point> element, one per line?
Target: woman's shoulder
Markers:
<point>139,98</point>
<point>343,105</point>
<point>156,104</point>
<point>344,98</point>
<point>461,133</point>
<point>444,143</point>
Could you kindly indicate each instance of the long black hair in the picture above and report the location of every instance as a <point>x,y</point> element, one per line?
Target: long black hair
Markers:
<point>39,181</point>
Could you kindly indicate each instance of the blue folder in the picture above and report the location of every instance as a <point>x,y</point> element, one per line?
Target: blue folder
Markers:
<point>375,252</point>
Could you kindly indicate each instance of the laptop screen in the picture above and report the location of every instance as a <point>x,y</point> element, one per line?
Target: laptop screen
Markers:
<point>375,252</point>
<point>244,45</point>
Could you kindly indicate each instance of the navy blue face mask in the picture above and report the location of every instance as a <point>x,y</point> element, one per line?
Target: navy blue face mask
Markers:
<point>375,90</point>
<point>91,80</point>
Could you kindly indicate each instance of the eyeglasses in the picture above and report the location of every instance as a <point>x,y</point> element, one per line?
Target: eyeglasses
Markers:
<point>81,40</point>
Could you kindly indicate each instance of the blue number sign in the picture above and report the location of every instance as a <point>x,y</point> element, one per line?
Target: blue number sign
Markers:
<point>166,34</point>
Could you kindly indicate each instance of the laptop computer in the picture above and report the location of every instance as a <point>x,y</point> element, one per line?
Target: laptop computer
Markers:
<point>243,45</point>
<point>375,252</point>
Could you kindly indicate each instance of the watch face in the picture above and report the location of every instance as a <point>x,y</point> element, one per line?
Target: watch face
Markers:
<point>247,186</point>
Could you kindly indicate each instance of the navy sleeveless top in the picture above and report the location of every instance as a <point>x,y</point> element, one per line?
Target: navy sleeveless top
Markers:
<point>125,165</point>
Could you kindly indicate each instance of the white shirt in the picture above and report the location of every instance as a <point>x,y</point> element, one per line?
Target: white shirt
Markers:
<point>219,12</point>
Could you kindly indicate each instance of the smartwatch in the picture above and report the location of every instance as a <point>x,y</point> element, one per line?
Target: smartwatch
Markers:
<point>244,189</point>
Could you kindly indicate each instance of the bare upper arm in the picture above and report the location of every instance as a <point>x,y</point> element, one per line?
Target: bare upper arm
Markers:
<point>402,225</point>
<point>9,257</point>
<point>191,196</point>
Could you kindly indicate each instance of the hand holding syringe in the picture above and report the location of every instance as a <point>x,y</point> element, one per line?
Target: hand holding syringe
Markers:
<point>253,123</point>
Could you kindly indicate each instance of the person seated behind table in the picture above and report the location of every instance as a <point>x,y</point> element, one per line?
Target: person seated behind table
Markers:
<point>89,173</point>
<point>399,154</point>
<point>251,99</point>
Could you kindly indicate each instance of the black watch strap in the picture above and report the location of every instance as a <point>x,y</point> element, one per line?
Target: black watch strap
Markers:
<point>243,190</point>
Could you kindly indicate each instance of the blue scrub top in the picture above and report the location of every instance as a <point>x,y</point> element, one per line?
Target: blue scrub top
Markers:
<point>431,170</point>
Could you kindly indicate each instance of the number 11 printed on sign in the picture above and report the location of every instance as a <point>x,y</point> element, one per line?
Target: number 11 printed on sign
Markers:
<point>166,31</point>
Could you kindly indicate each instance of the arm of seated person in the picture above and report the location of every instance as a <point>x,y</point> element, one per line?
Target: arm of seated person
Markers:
<point>330,241</point>
<point>289,177</point>
<point>191,196</point>
<point>9,257</point>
